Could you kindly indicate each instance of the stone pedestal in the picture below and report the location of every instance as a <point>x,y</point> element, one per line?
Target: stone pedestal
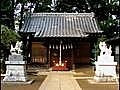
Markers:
<point>15,69</point>
<point>105,68</point>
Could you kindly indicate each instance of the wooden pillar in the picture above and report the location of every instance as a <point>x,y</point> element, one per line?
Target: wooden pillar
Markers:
<point>60,61</point>
<point>49,56</point>
<point>30,47</point>
<point>73,64</point>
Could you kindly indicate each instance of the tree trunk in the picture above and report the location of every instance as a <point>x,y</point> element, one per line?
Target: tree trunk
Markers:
<point>22,12</point>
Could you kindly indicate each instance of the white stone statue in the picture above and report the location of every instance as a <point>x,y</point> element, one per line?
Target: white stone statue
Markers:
<point>109,51</point>
<point>105,65</point>
<point>17,49</point>
<point>102,47</point>
<point>104,50</point>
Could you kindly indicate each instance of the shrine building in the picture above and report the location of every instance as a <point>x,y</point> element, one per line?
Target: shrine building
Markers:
<point>60,39</point>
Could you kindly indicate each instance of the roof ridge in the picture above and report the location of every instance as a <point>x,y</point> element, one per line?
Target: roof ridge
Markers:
<point>79,14</point>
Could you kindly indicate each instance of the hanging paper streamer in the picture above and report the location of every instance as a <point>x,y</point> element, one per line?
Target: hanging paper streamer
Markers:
<point>49,46</point>
<point>66,46</point>
<point>71,46</point>
<point>56,46</point>
<point>53,47</point>
<point>63,47</point>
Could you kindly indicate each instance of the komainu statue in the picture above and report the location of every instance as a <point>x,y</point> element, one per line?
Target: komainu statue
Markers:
<point>104,49</point>
<point>17,49</point>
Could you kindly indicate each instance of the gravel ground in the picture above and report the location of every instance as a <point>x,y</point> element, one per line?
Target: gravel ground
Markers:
<point>85,71</point>
<point>38,79</point>
<point>88,71</point>
<point>85,85</point>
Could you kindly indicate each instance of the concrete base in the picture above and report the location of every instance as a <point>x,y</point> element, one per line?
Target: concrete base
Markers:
<point>92,81</point>
<point>17,82</point>
<point>105,79</point>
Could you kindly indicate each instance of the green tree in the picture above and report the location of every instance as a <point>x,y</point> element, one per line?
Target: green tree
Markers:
<point>42,5</point>
<point>8,37</point>
<point>7,13</point>
<point>103,9</point>
<point>72,6</point>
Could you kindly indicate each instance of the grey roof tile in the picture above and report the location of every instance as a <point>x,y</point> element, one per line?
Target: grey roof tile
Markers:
<point>60,24</point>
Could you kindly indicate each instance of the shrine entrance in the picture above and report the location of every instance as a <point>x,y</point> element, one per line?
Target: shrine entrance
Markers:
<point>54,57</point>
<point>61,56</point>
<point>66,57</point>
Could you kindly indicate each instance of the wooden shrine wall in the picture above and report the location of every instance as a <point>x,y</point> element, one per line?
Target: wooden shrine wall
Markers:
<point>82,53</point>
<point>39,53</point>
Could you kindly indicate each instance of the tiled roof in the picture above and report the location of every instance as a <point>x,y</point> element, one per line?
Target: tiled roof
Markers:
<point>61,24</point>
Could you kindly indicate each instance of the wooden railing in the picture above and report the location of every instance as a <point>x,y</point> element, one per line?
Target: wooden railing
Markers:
<point>39,60</point>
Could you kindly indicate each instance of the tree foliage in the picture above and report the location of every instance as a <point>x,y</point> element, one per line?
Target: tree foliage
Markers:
<point>7,13</point>
<point>104,11</point>
<point>72,6</point>
<point>42,5</point>
<point>8,37</point>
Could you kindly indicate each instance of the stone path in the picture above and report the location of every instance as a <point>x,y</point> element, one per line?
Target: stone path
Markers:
<point>60,81</point>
